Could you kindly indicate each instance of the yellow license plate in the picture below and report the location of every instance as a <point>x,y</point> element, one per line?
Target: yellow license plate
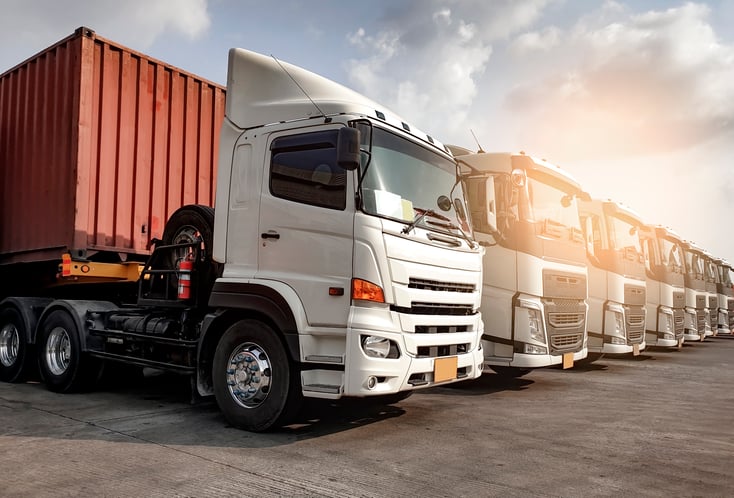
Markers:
<point>567,360</point>
<point>445,368</point>
<point>635,350</point>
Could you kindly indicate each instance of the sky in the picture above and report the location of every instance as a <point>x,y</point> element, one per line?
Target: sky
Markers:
<point>635,99</point>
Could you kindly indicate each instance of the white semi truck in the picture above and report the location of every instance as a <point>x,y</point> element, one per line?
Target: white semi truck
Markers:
<point>665,286</point>
<point>338,262</point>
<point>525,212</point>
<point>695,285</point>
<point>725,292</point>
<point>711,275</point>
<point>616,320</point>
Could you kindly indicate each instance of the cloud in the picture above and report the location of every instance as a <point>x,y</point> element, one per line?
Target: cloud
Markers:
<point>427,57</point>
<point>630,84</point>
<point>541,41</point>
<point>138,23</point>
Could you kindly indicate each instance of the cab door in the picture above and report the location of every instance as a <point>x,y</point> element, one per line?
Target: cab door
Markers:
<point>306,223</point>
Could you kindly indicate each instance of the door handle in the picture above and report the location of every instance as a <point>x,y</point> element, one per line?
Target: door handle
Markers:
<point>272,234</point>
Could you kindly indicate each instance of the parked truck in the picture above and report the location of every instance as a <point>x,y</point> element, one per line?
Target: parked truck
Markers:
<point>616,320</point>
<point>695,289</point>
<point>524,211</point>
<point>665,286</point>
<point>339,261</point>
<point>725,292</point>
<point>712,297</point>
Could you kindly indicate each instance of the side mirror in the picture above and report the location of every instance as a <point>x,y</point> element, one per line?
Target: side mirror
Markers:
<point>491,205</point>
<point>347,149</point>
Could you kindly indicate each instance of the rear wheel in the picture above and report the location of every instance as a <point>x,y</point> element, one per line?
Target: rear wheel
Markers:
<point>510,372</point>
<point>63,366</point>
<point>255,384</point>
<point>13,346</point>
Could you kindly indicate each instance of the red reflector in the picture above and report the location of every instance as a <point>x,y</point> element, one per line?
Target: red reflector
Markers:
<point>336,291</point>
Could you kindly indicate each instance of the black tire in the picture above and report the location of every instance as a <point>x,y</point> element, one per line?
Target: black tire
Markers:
<point>14,356</point>
<point>185,225</point>
<point>263,390</point>
<point>63,366</point>
<point>510,372</point>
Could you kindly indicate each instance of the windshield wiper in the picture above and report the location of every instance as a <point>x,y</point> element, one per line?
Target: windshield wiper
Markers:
<point>449,224</point>
<point>422,213</point>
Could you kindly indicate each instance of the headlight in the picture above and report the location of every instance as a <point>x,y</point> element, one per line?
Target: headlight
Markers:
<point>535,325</point>
<point>619,324</point>
<point>533,349</point>
<point>666,320</point>
<point>379,347</point>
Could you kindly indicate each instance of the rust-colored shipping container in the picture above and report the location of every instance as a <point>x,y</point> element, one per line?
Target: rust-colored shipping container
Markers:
<point>99,144</point>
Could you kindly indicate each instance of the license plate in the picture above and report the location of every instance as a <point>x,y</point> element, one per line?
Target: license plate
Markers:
<point>635,350</point>
<point>567,360</point>
<point>445,368</point>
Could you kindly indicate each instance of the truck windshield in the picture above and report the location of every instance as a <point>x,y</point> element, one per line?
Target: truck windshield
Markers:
<point>624,237</point>
<point>554,208</point>
<point>404,180</point>
<point>725,276</point>
<point>694,264</point>
<point>670,255</point>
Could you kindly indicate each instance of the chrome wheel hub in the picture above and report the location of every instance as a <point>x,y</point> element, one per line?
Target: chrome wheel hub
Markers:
<point>249,375</point>
<point>9,344</point>
<point>58,351</point>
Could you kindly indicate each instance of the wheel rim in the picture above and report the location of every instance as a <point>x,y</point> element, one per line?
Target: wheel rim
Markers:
<point>58,351</point>
<point>9,344</point>
<point>249,375</point>
<point>186,235</point>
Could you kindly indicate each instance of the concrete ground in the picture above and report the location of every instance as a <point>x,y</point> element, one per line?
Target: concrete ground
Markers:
<point>661,424</point>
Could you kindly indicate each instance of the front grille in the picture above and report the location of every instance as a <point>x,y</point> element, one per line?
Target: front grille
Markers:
<point>441,329</point>
<point>701,321</point>
<point>565,320</point>
<point>679,320</point>
<point>565,341</point>
<point>713,302</point>
<point>418,308</point>
<point>434,285</point>
<point>439,351</point>
<point>635,327</point>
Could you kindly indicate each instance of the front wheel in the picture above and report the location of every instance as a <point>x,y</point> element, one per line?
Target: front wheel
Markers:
<point>255,384</point>
<point>13,346</point>
<point>510,372</point>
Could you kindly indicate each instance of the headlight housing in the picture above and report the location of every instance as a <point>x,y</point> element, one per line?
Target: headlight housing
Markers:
<point>379,347</point>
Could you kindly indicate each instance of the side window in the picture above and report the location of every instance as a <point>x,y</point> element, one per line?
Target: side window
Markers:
<point>303,169</point>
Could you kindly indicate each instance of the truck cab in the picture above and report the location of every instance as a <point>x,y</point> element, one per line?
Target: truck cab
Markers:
<point>665,284</point>
<point>695,284</point>
<point>711,275</point>
<point>525,214</point>
<point>617,289</point>
<point>725,292</point>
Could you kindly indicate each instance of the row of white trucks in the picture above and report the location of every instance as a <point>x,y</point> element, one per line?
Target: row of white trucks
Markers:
<point>349,255</point>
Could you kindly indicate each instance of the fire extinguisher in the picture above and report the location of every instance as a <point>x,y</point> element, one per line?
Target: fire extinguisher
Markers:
<point>184,279</point>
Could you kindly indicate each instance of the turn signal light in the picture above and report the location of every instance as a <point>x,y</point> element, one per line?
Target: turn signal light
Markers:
<point>367,291</point>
